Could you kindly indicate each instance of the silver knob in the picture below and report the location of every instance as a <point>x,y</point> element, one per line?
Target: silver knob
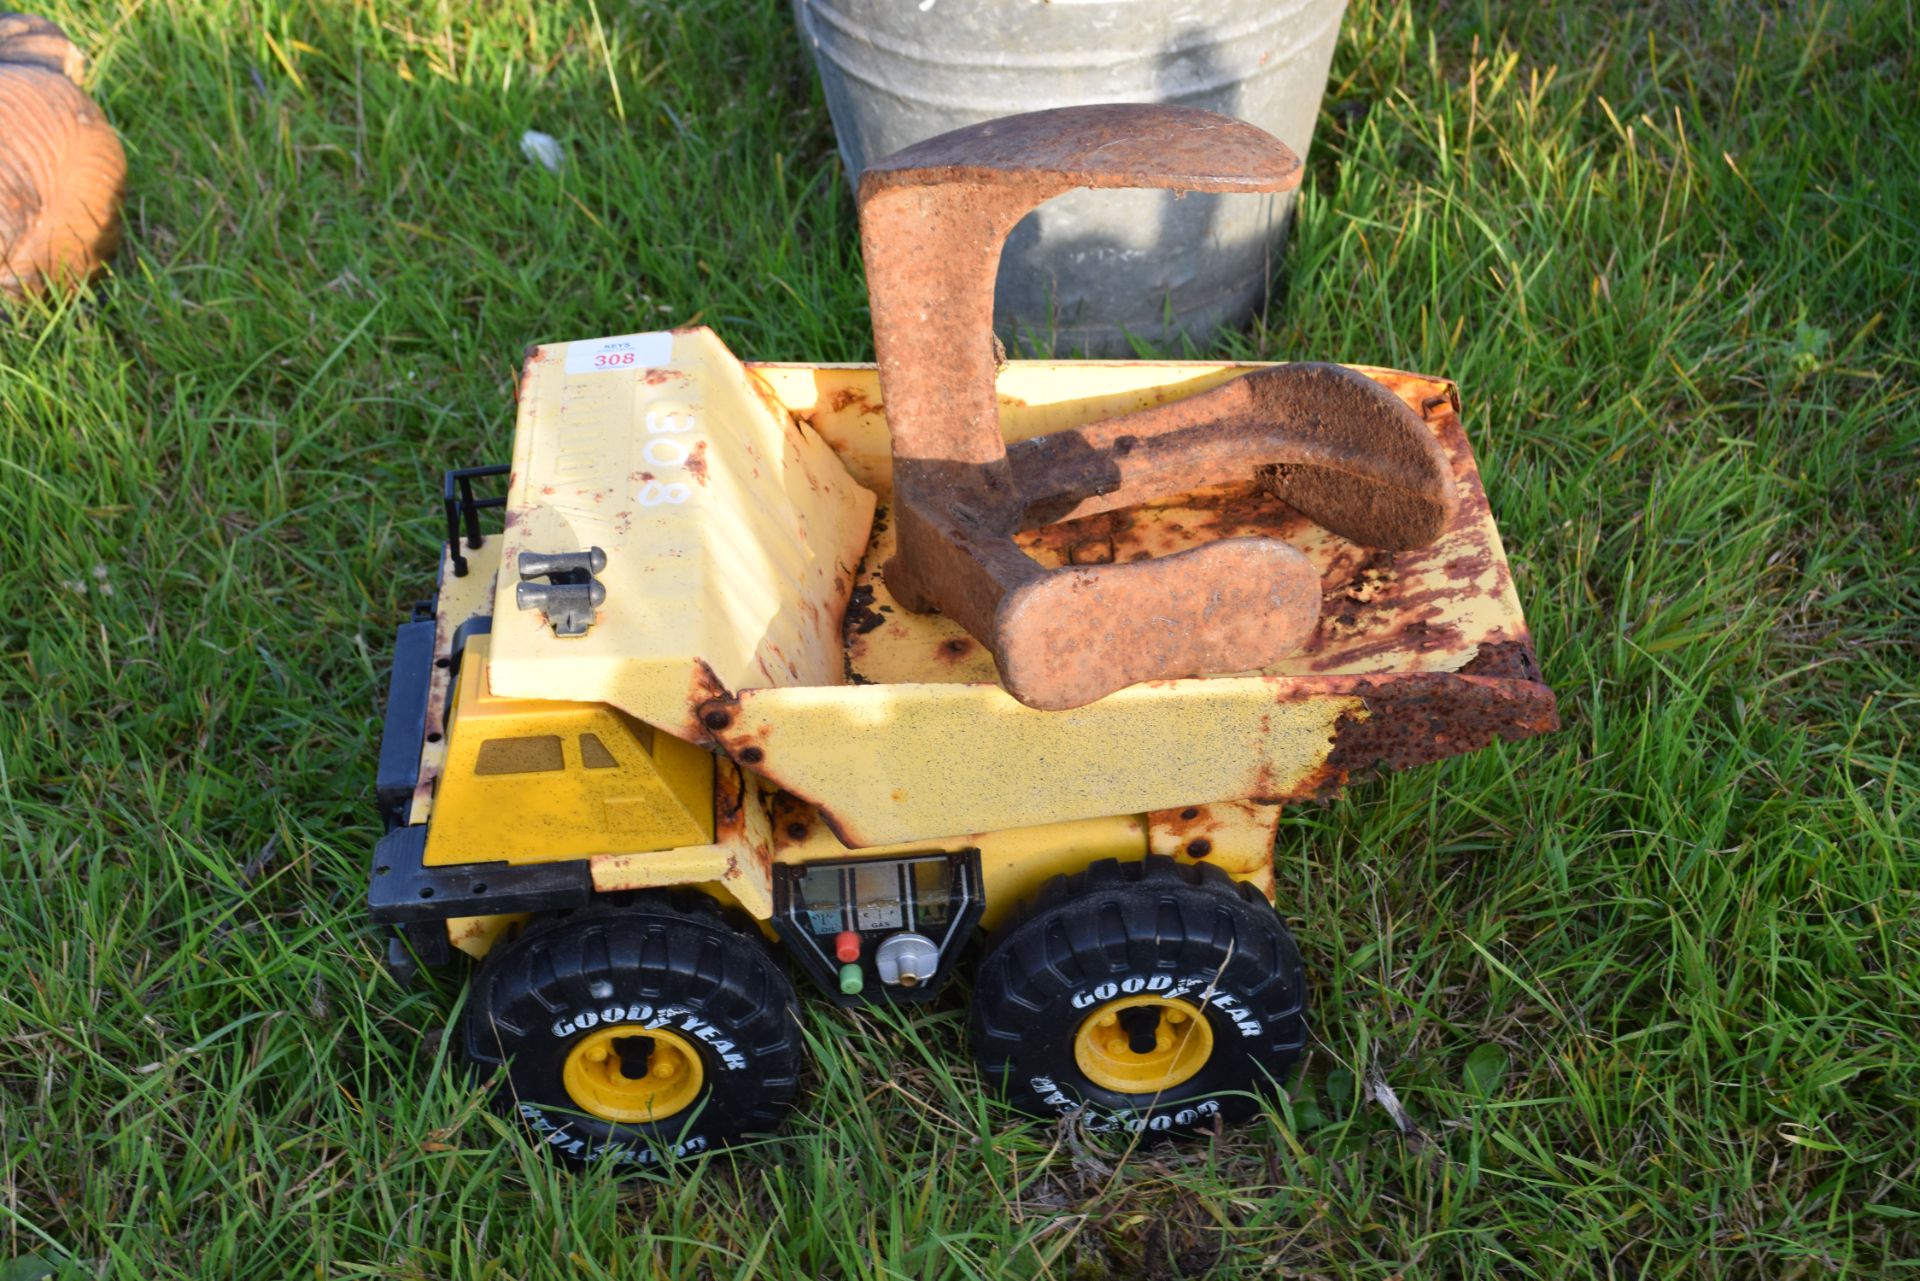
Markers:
<point>907,960</point>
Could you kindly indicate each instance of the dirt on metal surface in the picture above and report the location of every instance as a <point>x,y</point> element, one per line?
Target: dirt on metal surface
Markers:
<point>1332,442</point>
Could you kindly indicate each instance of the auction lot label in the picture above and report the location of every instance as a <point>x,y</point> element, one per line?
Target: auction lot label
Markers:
<point>628,351</point>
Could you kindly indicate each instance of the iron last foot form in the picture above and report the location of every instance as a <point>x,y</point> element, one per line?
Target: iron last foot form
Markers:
<point>724,743</point>
<point>62,168</point>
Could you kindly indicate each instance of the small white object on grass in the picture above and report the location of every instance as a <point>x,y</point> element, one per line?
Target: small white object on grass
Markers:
<point>1383,1095</point>
<point>542,149</point>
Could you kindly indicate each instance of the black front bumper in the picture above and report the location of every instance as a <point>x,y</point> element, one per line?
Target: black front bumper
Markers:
<point>405,891</point>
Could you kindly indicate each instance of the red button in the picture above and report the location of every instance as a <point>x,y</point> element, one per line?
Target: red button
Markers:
<point>846,947</point>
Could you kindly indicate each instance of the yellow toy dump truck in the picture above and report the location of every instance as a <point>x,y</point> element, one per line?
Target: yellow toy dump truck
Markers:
<point>673,720</point>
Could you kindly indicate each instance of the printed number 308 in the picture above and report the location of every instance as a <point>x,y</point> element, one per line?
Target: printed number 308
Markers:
<point>666,453</point>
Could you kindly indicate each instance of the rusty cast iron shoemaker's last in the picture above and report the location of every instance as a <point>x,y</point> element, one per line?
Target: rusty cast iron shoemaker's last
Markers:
<point>61,165</point>
<point>1331,442</point>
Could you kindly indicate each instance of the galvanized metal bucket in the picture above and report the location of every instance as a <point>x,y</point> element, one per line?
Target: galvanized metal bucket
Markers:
<point>1089,269</point>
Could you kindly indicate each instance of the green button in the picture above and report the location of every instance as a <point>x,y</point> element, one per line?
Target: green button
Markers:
<point>851,980</point>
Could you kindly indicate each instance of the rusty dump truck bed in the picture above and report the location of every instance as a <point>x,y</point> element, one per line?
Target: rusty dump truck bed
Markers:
<point>1419,654</point>
<point>743,511</point>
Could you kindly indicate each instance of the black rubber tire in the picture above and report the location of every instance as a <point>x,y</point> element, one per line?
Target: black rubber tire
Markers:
<point>1156,927</point>
<point>653,962</point>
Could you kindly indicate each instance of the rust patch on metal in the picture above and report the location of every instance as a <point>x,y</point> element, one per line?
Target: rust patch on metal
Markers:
<point>1236,836</point>
<point>1091,551</point>
<point>768,398</point>
<point>761,849</point>
<point>840,831</point>
<point>696,463</point>
<point>712,703</point>
<point>474,930</point>
<point>792,819</point>
<point>1185,825</point>
<point>719,719</point>
<point>955,648</point>
<point>729,801</point>
<point>1507,660</point>
<point>730,822</point>
<point>784,805</point>
<point>847,397</point>
<point>1330,441</point>
<point>1424,717</point>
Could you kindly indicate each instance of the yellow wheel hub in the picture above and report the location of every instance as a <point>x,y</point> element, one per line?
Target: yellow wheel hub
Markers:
<point>1143,1044</point>
<point>633,1074</point>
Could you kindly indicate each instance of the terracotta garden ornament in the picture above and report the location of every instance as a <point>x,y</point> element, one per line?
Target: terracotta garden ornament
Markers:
<point>61,166</point>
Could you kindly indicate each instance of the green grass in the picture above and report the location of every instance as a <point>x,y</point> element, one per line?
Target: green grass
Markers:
<point>1648,988</point>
